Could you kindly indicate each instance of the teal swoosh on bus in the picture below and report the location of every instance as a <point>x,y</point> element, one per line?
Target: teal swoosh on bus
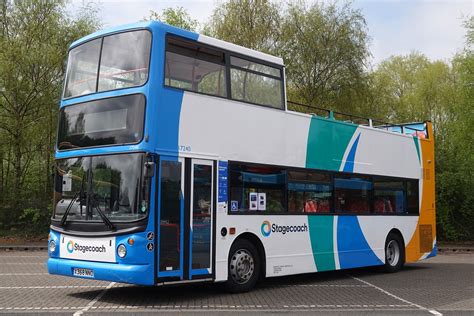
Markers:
<point>417,145</point>
<point>321,234</point>
<point>327,143</point>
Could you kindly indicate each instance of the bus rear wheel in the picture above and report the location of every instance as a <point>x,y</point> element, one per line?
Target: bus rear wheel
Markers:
<point>394,253</point>
<point>244,267</point>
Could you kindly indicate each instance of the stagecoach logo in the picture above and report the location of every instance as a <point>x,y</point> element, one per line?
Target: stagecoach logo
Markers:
<point>70,246</point>
<point>74,246</point>
<point>268,228</point>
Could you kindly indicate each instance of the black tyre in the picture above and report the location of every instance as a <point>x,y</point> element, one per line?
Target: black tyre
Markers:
<point>244,267</point>
<point>394,253</point>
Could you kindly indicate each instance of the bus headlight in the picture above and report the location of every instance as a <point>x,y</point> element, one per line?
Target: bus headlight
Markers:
<point>122,251</point>
<point>52,246</point>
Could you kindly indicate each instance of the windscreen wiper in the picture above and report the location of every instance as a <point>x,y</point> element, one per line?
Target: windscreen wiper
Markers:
<point>69,207</point>
<point>76,196</point>
<point>104,218</point>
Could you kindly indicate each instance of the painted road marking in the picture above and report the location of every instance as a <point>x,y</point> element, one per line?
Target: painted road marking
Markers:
<point>52,287</point>
<point>27,256</point>
<point>191,307</point>
<point>328,285</point>
<point>41,308</point>
<point>432,311</point>
<point>23,263</point>
<point>98,297</point>
<point>1,274</point>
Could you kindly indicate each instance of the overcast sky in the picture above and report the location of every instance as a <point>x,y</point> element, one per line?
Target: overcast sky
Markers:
<point>433,28</point>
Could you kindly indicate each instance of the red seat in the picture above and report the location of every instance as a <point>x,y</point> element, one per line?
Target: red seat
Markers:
<point>311,206</point>
<point>379,206</point>
<point>323,206</point>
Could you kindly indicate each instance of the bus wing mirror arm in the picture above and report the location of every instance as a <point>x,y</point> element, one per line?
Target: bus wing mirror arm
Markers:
<point>149,169</point>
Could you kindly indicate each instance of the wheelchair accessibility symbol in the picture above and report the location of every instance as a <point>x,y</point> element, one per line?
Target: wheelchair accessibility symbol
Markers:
<point>234,205</point>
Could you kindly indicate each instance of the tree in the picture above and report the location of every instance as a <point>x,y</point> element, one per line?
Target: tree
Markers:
<point>325,48</point>
<point>253,24</point>
<point>35,36</point>
<point>413,88</point>
<point>455,180</point>
<point>178,17</point>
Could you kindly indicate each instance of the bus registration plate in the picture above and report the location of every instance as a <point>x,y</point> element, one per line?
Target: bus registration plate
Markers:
<point>83,272</point>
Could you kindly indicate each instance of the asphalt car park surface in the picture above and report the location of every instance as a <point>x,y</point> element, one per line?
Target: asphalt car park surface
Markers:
<point>440,285</point>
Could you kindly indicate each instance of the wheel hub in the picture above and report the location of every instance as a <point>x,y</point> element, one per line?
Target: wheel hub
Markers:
<point>242,266</point>
<point>392,253</point>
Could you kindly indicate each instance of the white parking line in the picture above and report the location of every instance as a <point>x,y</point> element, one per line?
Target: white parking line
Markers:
<point>26,256</point>
<point>98,297</point>
<point>212,307</point>
<point>2,274</point>
<point>53,287</point>
<point>329,285</point>
<point>41,308</point>
<point>23,263</point>
<point>432,311</point>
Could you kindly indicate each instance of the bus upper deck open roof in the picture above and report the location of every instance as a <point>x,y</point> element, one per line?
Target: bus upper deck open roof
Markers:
<point>157,26</point>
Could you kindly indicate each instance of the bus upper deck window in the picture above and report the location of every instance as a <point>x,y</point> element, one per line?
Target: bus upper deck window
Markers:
<point>81,76</point>
<point>124,61</point>
<point>256,83</point>
<point>193,67</point>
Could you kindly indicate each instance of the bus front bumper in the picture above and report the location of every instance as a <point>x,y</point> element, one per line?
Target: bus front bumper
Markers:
<point>116,272</point>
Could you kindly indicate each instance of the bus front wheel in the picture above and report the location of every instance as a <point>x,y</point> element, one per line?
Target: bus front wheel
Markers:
<point>394,253</point>
<point>244,267</point>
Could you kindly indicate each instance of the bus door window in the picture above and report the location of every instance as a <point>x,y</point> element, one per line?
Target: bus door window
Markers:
<point>170,215</point>
<point>201,223</point>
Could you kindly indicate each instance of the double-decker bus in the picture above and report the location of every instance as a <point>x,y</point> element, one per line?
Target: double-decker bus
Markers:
<point>179,159</point>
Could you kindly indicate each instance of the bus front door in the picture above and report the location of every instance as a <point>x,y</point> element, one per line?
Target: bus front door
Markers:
<point>185,218</point>
<point>201,204</point>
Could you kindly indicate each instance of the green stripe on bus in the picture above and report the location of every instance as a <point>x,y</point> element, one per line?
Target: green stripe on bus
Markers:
<point>327,143</point>
<point>417,145</point>
<point>321,234</point>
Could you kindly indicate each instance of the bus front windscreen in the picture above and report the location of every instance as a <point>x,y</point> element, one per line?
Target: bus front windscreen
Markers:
<point>102,122</point>
<point>91,188</point>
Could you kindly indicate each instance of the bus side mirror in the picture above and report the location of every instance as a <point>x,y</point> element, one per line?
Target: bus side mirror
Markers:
<point>149,169</point>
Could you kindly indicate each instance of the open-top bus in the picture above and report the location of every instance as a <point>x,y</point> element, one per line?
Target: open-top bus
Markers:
<point>179,159</point>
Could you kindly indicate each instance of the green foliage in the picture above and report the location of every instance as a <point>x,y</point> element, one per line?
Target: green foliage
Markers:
<point>253,24</point>
<point>412,88</point>
<point>178,17</point>
<point>35,219</point>
<point>325,47</point>
<point>35,36</point>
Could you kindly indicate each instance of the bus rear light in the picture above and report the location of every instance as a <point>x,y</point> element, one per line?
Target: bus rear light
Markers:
<point>122,251</point>
<point>232,230</point>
